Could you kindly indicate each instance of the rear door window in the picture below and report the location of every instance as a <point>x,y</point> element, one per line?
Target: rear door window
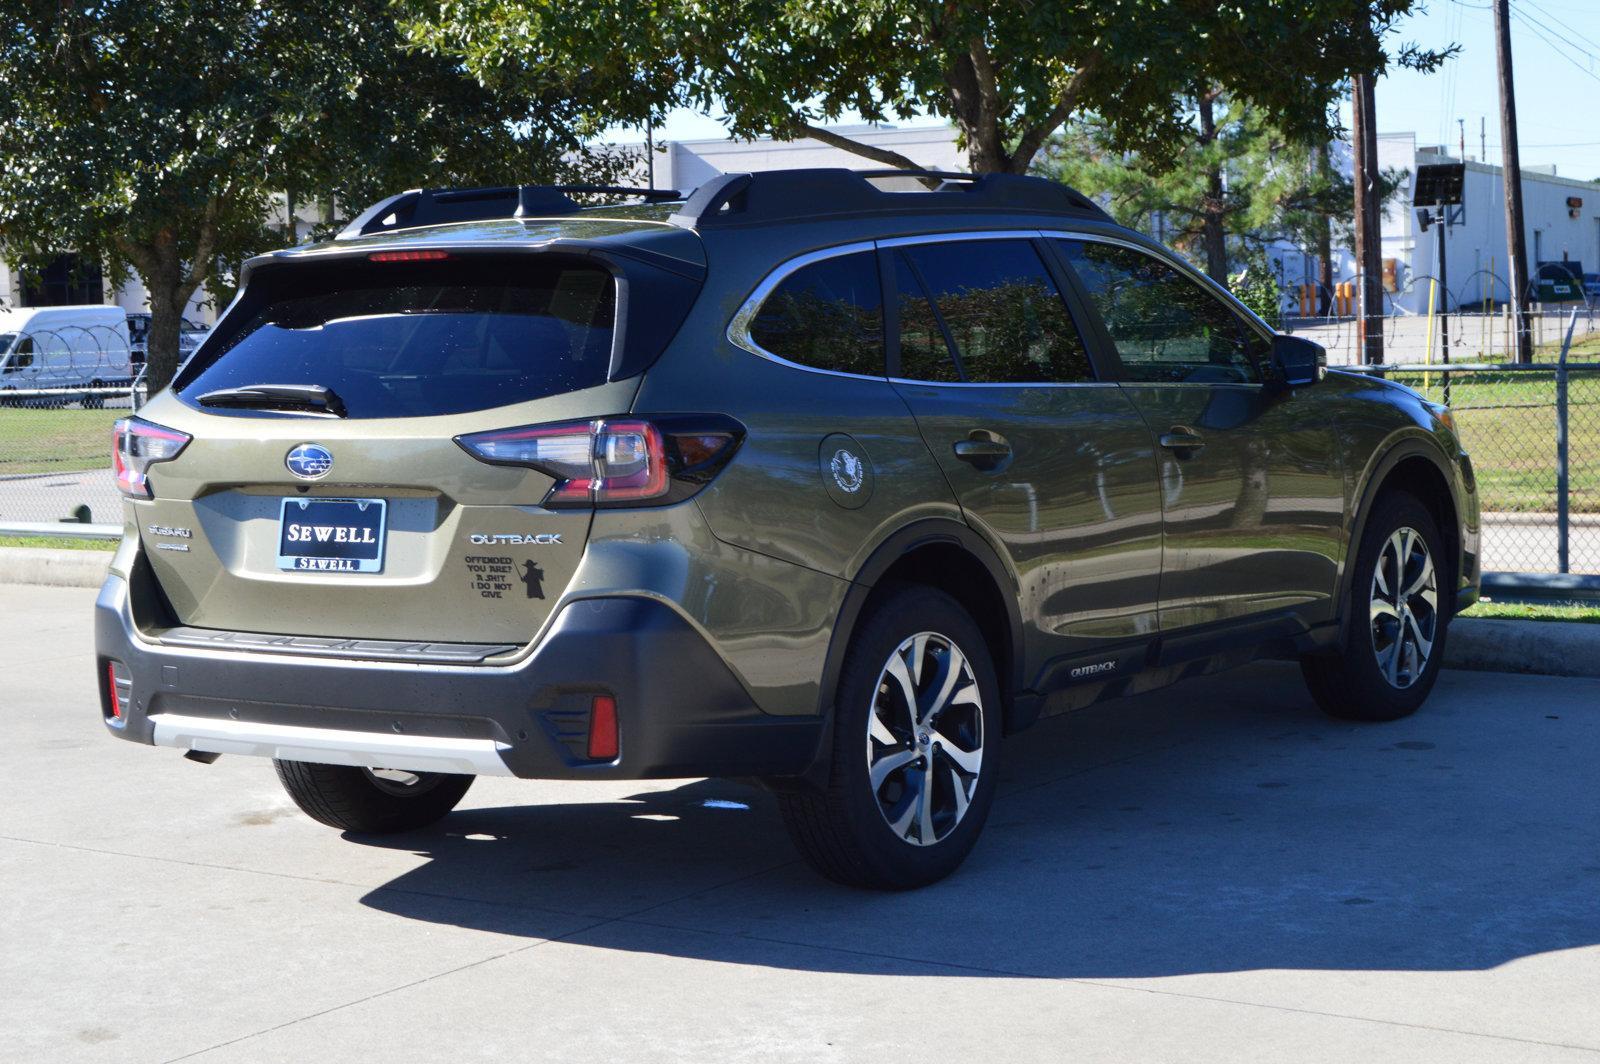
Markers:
<point>418,339</point>
<point>827,315</point>
<point>1000,309</point>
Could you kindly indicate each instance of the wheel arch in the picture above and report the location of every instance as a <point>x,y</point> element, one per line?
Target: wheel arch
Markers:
<point>1415,466</point>
<point>950,556</point>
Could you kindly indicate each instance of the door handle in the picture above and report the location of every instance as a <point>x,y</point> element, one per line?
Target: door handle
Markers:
<point>1181,440</point>
<point>986,452</point>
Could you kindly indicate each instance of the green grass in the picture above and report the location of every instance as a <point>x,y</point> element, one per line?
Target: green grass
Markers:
<point>59,542</point>
<point>1507,423</point>
<point>55,441</point>
<point>1526,611</point>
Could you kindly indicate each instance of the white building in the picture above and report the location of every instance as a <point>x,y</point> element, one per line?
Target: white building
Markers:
<point>69,281</point>
<point>683,164</point>
<point>1561,218</point>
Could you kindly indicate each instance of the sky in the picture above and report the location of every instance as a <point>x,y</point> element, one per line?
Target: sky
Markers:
<point>1555,47</point>
<point>1555,61</point>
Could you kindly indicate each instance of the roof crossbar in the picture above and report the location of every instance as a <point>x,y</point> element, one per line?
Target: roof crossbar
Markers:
<point>811,195</point>
<point>438,206</point>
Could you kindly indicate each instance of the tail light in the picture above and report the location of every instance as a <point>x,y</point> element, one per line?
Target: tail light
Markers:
<point>136,445</point>
<point>615,461</point>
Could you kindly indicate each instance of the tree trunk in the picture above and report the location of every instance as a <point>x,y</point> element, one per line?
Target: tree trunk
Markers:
<point>1324,267</point>
<point>1324,246</point>
<point>170,287</point>
<point>1213,235</point>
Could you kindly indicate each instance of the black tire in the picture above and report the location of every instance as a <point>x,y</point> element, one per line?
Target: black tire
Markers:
<point>841,828</point>
<point>1353,685</point>
<point>354,799</point>
<point>94,402</point>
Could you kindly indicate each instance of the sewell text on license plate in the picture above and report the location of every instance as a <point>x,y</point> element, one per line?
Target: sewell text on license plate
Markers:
<point>331,535</point>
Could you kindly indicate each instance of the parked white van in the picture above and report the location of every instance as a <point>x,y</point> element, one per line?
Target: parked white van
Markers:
<point>50,351</point>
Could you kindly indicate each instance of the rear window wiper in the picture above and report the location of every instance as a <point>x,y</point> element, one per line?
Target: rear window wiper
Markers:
<point>278,397</point>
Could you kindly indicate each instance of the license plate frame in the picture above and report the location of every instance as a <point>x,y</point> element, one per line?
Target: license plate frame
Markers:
<point>364,523</point>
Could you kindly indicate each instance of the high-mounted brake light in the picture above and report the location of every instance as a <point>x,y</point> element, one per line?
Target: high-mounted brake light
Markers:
<point>407,256</point>
<point>615,461</point>
<point>136,445</point>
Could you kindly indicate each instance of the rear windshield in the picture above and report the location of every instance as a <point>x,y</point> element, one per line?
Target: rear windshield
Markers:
<point>419,338</point>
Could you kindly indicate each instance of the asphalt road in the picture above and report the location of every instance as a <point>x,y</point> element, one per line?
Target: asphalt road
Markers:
<point>1213,874</point>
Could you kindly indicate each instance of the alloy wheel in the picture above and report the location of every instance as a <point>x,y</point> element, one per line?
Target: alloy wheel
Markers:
<point>1404,614</point>
<point>925,738</point>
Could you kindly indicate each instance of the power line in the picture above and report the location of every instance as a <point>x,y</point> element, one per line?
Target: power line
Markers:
<point>1562,26</point>
<point>1538,31</point>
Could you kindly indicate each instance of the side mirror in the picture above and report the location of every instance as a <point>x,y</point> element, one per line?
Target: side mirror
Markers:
<point>1296,361</point>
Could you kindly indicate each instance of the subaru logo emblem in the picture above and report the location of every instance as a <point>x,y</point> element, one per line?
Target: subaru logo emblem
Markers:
<point>309,461</point>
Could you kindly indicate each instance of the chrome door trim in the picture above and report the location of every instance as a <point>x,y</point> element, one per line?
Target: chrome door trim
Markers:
<point>738,332</point>
<point>739,327</point>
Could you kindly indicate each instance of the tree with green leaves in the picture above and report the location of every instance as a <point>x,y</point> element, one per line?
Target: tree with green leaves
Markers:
<point>1007,74</point>
<point>1233,179</point>
<point>153,135</point>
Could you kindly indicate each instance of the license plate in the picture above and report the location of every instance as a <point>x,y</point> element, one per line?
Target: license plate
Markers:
<point>331,535</point>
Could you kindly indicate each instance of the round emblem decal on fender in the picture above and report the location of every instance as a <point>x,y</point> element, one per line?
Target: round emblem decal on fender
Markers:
<point>846,471</point>
<point>309,461</point>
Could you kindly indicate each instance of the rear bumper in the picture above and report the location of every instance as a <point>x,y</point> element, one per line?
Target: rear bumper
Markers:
<point>680,711</point>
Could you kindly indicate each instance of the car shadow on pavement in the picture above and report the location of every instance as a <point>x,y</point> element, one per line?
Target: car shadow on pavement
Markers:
<point>1223,826</point>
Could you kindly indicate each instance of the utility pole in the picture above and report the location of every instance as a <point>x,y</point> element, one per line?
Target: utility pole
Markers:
<point>1462,123</point>
<point>650,152</point>
<point>1483,139</point>
<point>1364,138</point>
<point>1444,290</point>
<point>1511,167</point>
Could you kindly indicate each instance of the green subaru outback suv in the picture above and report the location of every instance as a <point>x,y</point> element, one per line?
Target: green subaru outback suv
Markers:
<point>796,478</point>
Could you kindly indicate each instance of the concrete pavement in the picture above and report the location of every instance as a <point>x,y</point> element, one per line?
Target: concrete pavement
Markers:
<point>1216,872</point>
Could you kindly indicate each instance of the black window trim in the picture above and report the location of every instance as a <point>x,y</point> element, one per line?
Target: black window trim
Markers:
<point>1105,350</point>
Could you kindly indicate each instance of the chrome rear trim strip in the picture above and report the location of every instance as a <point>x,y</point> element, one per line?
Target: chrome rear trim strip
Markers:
<point>331,746</point>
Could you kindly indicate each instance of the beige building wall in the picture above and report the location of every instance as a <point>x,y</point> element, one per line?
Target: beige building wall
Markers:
<point>683,164</point>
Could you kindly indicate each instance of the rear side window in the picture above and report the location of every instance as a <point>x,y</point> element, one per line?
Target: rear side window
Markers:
<point>418,339</point>
<point>828,315</point>
<point>1000,309</point>
<point>1167,328</point>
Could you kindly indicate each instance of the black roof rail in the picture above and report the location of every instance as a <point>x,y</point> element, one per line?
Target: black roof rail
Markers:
<point>438,206</point>
<point>808,195</point>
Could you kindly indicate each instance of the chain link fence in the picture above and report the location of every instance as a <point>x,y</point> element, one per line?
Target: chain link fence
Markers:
<point>1465,327</point>
<point>61,390</point>
<point>1533,433</point>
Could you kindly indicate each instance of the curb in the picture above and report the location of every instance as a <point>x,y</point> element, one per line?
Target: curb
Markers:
<point>1547,648</point>
<point>54,567</point>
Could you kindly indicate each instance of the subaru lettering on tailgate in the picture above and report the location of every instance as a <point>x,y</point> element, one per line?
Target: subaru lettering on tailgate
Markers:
<point>331,535</point>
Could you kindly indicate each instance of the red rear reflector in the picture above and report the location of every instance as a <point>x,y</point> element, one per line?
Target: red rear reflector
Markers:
<point>603,728</point>
<point>407,256</point>
<point>111,685</point>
